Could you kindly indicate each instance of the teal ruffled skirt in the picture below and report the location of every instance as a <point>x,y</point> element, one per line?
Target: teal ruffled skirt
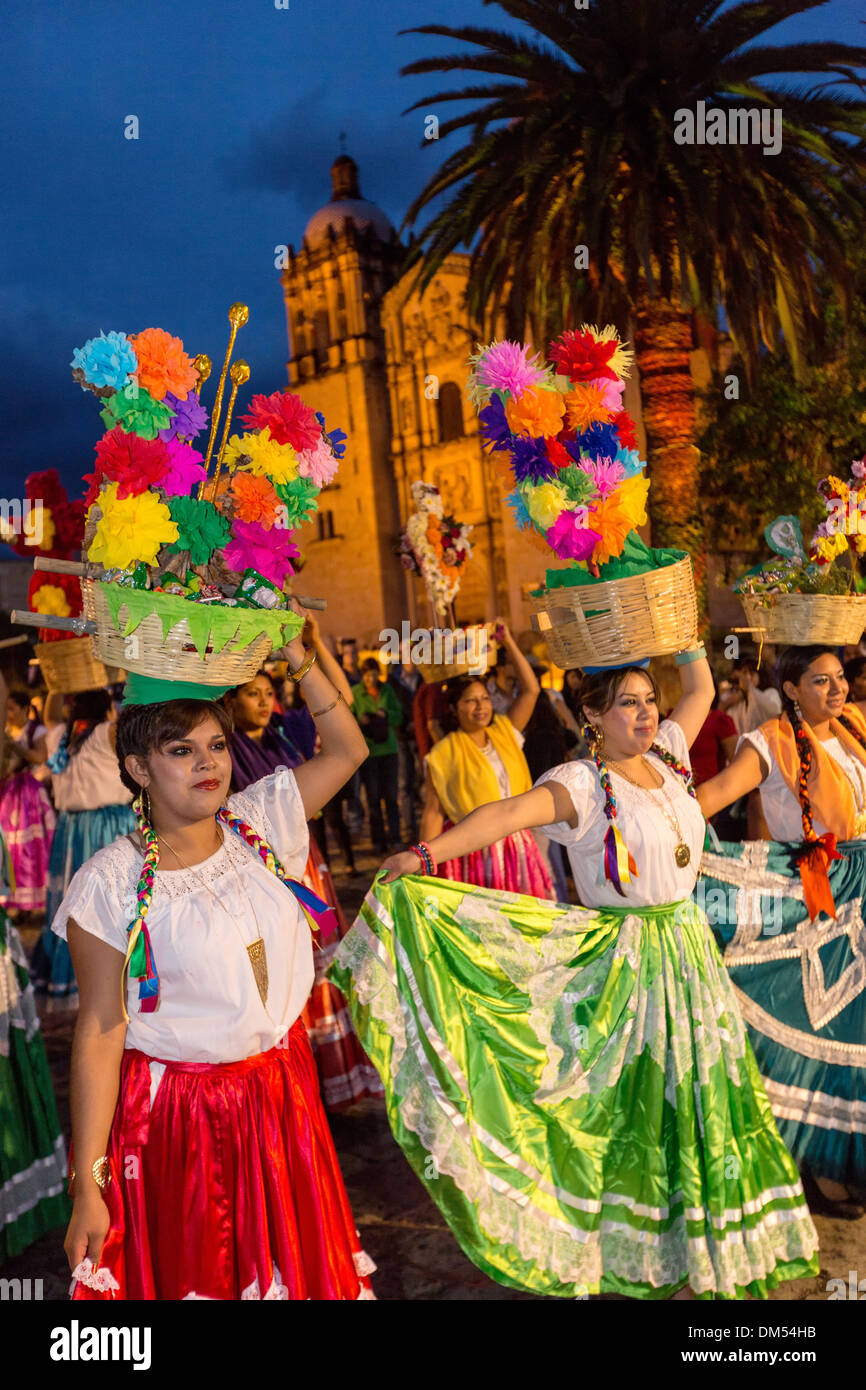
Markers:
<point>576,1091</point>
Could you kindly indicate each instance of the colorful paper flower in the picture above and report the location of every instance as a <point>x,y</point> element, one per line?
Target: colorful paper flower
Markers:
<point>137,411</point>
<point>163,365</point>
<point>557,453</point>
<point>185,468</point>
<point>108,360</point>
<point>618,514</point>
<point>858,467</point>
<point>508,366</point>
<point>585,405</point>
<point>536,413</point>
<point>189,417</point>
<point>299,499</point>
<point>606,474</point>
<point>516,502</point>
<point>337,437</point>
<point>50,598</point>
<point>493,427</point>
<point>530,461</point>
<point>287,417</point>
<point>269,552</point>
<point>130,530</point>
<point>544,504</point>
<point>625,428</point>
<point>135,464</point>
<point>260,454</point>
<point>254,499</point>
<point>611,392</point>
<point>318,464</point>
<point>631,461</point>
<point>577,485</point>
<point>571,537</point>
<point>598,441</point>
<point>201,529</point>
<point>591,352</point>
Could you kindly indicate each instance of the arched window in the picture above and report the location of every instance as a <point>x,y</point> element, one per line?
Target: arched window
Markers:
<point>299,334</point>
<point>322,334</point>
<point>450,410</point>
<point>326,525</point>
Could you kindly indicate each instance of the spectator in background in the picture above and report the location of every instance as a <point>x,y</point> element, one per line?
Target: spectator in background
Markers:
<point>379,714</point>
<point>502,683</point>
<point>429,715</point>
<point>855,675</point>
<point>349,659</point>
<point>753,698</point>
<point>26,815</point>
<point>405,681</point>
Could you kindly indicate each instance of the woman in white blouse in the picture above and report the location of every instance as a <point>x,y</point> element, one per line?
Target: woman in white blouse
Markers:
<point>617,1075</point>
<point>803,991</point>
<point>204,1167</point>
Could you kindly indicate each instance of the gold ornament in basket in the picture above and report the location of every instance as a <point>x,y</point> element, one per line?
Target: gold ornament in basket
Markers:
<point>805,620</point>
<point>613,622</point>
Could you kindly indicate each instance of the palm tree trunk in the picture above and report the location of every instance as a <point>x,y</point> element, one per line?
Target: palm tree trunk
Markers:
<point>663,344</point>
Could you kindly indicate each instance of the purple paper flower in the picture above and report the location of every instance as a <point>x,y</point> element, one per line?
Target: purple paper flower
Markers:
<point>185,471</point>
<point>493,426</point>
<point>530,460</point>
<point>189,417</point>
<point>858,467</point>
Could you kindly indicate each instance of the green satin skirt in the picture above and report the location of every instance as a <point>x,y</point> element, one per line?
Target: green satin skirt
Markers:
<point>576,1091</point>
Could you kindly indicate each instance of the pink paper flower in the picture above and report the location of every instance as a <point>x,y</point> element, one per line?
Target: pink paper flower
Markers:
<point>185,469</point>
<point>611,391</point>
<point>318,464</point>
<point>508,367</point>
<point>606,473</point>
<point>269,552</point>
<point>570,536</point>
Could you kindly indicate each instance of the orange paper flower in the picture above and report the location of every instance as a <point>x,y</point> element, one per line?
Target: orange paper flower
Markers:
<point>163,365</point>
<point>617,515</point>
<point>537,413</point>
<point>584,406</point>
<point>254,499</point>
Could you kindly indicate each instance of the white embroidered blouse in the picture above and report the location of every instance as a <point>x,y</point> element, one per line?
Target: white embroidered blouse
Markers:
<point>645,829</point>
<point>201,922</point>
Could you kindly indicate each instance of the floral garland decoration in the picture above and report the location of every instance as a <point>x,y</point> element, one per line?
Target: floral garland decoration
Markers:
<point>51,526</point>
<point>435,546</point>
<point>153,521</point>
<point>567,444</point>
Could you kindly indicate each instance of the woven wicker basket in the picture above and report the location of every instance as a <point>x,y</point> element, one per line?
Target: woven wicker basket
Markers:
<point>435,674</point>
<point>148,653</point>
<point>801,620</point>
<point>609,624</point>
<point>71,665</point>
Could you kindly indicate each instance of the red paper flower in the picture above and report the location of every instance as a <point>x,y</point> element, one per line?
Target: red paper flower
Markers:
<point>45,487</point>
<point>289,420</point>
<point>624,426</point>
<point>135,464</point>
<point>579,357</point>
<point>558,454</point>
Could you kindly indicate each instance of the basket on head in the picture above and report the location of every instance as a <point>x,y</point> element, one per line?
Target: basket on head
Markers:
<point>71,665</point>
<point>610,623</point>
<point>175,656</point>
<point>479,653</point>
<point>805,620</point>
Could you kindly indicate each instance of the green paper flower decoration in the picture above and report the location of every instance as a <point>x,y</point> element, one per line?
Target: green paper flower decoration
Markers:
<point>579,487</point>
<point>201,528</point>
<point>138,413</point>
<point>299,499</point>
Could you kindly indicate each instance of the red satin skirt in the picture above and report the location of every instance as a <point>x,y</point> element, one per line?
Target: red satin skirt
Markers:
<point>227,1186</point>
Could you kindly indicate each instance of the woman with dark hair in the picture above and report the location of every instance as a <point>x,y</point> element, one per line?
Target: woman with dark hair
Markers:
<point>259,746</point>
<point>796,957</point>
<point>479,760</point>
<point>380,715</point>
<point>204,1168</point>
<point>93,809</point>
<point>575,1085</point>
<point>26,814</point>
<point>855,675</point>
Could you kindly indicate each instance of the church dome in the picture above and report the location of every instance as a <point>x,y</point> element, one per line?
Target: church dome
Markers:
<point>346,202</point>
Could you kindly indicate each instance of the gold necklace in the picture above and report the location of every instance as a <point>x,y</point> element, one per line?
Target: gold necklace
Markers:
<point>682,853</point>
<point>255,950</point>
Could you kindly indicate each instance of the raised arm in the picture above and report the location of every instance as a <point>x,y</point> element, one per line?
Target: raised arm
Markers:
<point>743,775</point>
<point>97,1051</point>
<point>696,701</point>
<point>53,711</point>
<point>540,806</point>
<point>529,689</point>
<point>343,746</point>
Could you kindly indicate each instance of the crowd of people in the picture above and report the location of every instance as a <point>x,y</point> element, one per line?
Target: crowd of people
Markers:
<point>500,781</point>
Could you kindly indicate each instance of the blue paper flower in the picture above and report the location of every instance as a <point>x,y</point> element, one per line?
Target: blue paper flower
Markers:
<point>493,426</point>
<point>530,461</point>
<point>631,461</point>
<point>108,360</point>
<point>336,437</point>
<point>522,519</point>
<point>599,441</point>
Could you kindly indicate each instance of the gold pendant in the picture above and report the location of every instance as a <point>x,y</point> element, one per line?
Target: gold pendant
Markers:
<point>682,854</point>
<point>859,824</point>
<point>259,962</point>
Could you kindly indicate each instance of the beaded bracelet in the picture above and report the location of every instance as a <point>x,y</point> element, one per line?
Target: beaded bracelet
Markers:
<point>698,653</point>
<point>428,863</point>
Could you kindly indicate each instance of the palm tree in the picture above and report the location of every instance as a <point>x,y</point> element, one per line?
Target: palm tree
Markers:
<point>579,147</point>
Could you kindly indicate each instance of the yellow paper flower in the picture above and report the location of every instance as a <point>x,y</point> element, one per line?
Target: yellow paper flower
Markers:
<point>584,406</point>
<point>260,455</point>
<point>131,530</point>
<point>537,413</point>
<point>50,598</point>
<point>633,493</point>
<point>544,505</point>
<point>828,547</point>
<point>617,515</point>
<point>860,544</point>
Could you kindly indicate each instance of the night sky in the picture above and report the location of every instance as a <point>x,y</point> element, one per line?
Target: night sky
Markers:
<point>240,108</point>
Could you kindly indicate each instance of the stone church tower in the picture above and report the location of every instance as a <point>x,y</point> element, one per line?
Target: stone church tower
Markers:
<point>390,368</point>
